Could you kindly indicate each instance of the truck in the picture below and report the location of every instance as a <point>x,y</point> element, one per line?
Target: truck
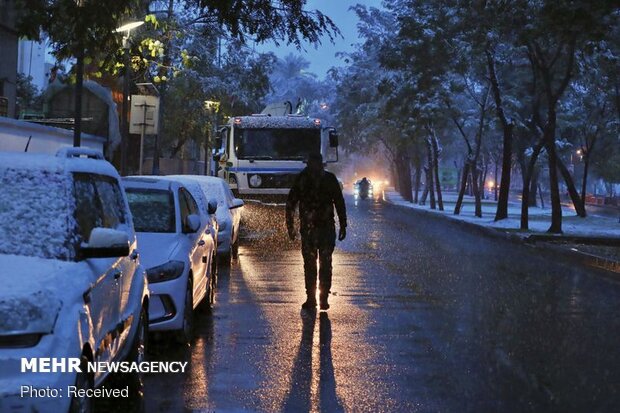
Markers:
<point>259,155</point>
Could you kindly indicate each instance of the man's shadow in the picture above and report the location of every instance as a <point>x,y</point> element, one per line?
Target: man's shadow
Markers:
<point>299,398</point>
<point>328,399</point>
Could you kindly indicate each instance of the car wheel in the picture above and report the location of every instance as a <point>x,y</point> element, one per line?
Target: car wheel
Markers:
<point>234,249</point>
<point>224,258</point>
<point>185,334</point>
<point>205,304</point>
<point>83,381</point>
<point>137,354</point>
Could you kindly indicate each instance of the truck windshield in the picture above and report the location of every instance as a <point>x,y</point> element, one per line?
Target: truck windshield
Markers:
<point>280,144</point>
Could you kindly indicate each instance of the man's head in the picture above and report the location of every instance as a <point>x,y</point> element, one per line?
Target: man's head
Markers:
<point>315,163</point>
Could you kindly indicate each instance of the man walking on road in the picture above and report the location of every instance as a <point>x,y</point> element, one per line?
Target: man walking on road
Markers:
<point>317,192</point>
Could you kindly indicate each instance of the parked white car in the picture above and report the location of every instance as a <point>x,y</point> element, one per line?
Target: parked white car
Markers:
<point>72,283</point>
<point>229,210</point>
<point>177,249</point>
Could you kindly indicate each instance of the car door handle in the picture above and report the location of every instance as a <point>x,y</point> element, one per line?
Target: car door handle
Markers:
<point>201,242</point>
<point>134,255</point>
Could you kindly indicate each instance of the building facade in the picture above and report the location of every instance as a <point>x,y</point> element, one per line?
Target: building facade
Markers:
<point>8,62</point>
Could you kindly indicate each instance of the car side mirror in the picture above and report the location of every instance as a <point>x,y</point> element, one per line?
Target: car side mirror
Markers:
<point>333,139</point>
<point>237,203</point>
<point>212,207</point>
<point>192,223</point>
<point>105,243</point>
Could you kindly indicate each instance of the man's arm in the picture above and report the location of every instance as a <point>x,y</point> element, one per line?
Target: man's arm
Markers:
<point>338,198</point>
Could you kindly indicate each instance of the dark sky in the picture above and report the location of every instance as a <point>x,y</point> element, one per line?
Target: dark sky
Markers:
<point>323,57</point>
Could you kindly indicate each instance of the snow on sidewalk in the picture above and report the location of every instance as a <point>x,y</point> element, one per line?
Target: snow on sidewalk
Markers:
<point>539,218</point>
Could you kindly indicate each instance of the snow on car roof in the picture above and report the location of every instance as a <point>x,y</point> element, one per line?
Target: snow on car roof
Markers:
<point>154,182</point>
<point>36,213</point>
<point>292,122</point>
<point>59,163</point>
<point>212,186</point>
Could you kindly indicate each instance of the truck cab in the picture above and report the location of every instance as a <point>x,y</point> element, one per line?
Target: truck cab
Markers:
<point>260,155</point>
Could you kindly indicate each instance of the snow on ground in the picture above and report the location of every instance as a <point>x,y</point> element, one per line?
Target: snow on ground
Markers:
<point>539,221</point>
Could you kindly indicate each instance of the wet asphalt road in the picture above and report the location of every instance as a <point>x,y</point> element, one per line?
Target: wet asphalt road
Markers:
<point>425,317</point>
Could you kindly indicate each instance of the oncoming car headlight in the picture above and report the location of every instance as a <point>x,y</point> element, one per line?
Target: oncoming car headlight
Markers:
<point>165,272</point>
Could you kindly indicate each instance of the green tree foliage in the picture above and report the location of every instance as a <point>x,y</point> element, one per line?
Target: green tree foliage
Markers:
<point>545,66</point>
<point>29,97</point>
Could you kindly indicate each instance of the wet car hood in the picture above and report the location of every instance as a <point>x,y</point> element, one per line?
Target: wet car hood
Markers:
<point>157,248</point>
<point>34,289</point>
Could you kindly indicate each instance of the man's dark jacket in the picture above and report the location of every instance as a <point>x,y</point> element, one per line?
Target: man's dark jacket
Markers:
<point>316,197</point>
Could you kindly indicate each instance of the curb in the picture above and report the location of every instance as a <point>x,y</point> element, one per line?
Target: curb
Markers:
<point>606,266</point>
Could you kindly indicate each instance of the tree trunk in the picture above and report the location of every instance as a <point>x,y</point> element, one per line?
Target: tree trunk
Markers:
<point>504,189</point>
<point>425,192</point>
<point>474,180</point>
<point>431,191</point>
<point>459,200</point>
<point>578,202</point>
<point>404,177</point>
<point>584,181</point>
<point>554,189</point>
<point>495,181</point>
<point>529,172</point>
<point>435,159</point>
<point>534,186</point>
<point>418,171</point>
<point>483,178</point>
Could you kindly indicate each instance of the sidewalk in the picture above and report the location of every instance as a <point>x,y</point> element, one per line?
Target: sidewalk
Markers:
<point>595,237</point>
<point>540,219</point>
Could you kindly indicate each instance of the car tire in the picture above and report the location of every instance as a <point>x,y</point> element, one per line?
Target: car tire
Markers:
<point>137,354</point>
<point>225,258</point>
<point>205,305</point>
<point>83,381</point>
<point>186,333</point>
<point>234,249</point>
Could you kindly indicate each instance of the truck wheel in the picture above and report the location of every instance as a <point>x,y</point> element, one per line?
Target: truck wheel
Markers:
<point>83,381</point>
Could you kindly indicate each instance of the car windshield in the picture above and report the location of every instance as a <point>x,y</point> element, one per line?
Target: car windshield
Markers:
<point>36,213</point>
<point>152,209</point>
<point>281,144</point>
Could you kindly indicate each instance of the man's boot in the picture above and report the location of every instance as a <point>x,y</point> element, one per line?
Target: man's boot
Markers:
<point>323,300</point>
<point>310,303</point>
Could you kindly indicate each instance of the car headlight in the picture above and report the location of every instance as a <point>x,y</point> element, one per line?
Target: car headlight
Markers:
<point>255,180</point>
<point>20,340</point>
<point>165,272</point>
<point>24,320</point>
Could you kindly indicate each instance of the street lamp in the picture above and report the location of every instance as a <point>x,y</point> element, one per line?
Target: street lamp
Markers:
<point>126,28</point>
<point>212,106</point>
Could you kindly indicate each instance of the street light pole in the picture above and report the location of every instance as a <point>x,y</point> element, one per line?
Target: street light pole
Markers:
<point>79,85</point>
<point>212,107</point>
<point>125,106</point>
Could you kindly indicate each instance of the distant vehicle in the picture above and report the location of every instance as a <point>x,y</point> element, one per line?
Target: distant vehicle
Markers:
<point>177,250</point>
<point>229,210</point>
<point>72,282</point>
<point>363,189</point>
<point>260,155</point>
